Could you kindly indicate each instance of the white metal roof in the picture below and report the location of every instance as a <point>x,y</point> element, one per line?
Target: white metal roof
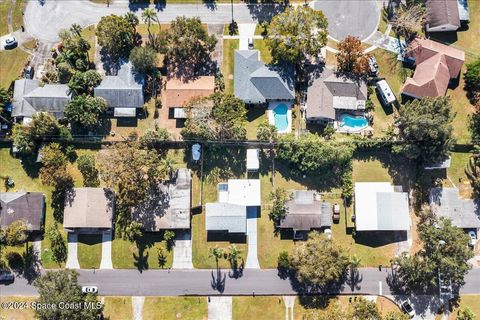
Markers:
<point>244,192</point>
<point>179,113</point>
<point>379,208</point>
<point>225,217</point>
<point>387,92</point>
<point>125,112</point>
<point>253,161</point>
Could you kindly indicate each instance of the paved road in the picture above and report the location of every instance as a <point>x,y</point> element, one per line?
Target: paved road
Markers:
<point>44,22</point>
<point>199,282</point>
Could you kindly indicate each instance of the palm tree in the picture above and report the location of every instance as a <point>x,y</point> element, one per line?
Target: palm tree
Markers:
<point>76,29</point>
<point>217,253</point>
<point>168,165</point>
<point>233,255</point>
<point>132,20</point>
<point>354,263</point>
<point>149,15</point>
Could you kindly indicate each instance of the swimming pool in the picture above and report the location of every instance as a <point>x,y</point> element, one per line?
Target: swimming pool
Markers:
<point>280,116</point>
<point>353,123</point>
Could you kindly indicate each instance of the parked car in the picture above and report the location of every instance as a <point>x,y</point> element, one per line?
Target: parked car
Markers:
<point>328,233</point>
<point>372,63</point>
<point>89,289</point>
<point>407,308</point>
<point>385,93</point>
<point>28,72</point>
<point>473,238</point>
<point>10,42</point>
<point>250,43</point>
<point>6,276</point>
<point>196,151</point>
<point>336,212</point>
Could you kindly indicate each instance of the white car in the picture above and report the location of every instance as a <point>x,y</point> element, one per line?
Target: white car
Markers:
<point>89,289</point>
<point>196,151</point>
<point>473,238</point>
<point>10,42</point>
<point>407,308</point>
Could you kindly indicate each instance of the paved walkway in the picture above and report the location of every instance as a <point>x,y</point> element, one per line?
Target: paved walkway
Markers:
<point>106,262</point>
<point>220,308</point>
<point>182,251</point>
<point>289,304</point>
<point>72,257</point>
<point>217,31</point>
<point>252,258</point>
<point>245,31</point>
<point>137,307</point>
<point>387,42</point>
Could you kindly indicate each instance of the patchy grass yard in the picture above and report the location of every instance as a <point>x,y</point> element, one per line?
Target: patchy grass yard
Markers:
<point>89,34</point>
<point>228,65</point>
<point>117,308</point>
<point>17,15</point>
<point>456,173</point>
<point>467,301</point>
<point>261,45</point>
<point>12,65</point>
<point>19,313</point>
<point>255,116</point>
<point>89,250</point>
<point>173,308</point>
<point>246,308</point>
<point>128,255</point>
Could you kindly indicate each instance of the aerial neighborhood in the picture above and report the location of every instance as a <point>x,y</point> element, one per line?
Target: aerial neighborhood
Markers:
<point>240,159</point>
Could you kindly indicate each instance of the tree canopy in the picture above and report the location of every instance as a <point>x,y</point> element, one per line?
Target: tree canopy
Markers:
<point>116,35</point>
<point>279,197</point>
<point>86,111</point>
<point>309,152</point>
<point>297,33</point>
<point>409,20</point>
<point>318,261</point>
<point>444,250</point>
<point>74,49</point>
<point>187,47</point>
<point>217,117</point>
<point>84,82</point>
<point>14,234</point>
<point>472,76</point>
<point>350,56</point>
<point>425,129</point>
<point>54,164</point>
<point>144,59</point>
<point>86,166</point>
<point>56,287</point>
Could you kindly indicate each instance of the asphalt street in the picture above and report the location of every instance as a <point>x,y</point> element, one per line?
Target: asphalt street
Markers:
<point>122,282</point>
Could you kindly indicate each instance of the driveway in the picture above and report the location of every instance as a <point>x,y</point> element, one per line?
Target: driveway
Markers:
<point>219,308</point>
<point>106,262</point>
<point>72,257</point>
<point>357,18</point>
<point>182,251</point>
<point>245,31</point>
<point>252,259</point>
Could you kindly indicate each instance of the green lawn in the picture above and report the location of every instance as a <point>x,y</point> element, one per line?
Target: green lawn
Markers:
<point>19,313</point>
<point>12,65</point>
<point>456,173</point>
<point>261,46</point>
<point>229,47</point>
<point>255,116</point>
<point>173,308</point>
<point>467,301</point>
<point>89,34</point>
<point>246,308</point>
<point>118,308</point>
<point>17,16</point>
<point>89,250</point>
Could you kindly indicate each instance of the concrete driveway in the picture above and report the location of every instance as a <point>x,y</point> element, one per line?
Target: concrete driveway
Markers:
<point>357,18</point>
<point>106,262</point>
<point>220,308</point>
<point>245,31</point>
<point>182,251</point>
<point>252,258</point>
<point>72,256</point>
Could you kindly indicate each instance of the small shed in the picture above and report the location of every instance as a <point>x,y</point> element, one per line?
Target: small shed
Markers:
<point>253,159</point>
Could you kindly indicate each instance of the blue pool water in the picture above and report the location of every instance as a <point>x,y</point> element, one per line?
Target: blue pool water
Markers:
<point>353,123</point>
<point>280,116</point>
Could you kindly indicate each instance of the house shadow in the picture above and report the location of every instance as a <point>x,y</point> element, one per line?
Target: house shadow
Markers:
<point>215,236</point>
<point>448,37</point>
<point>254,113</point>
<point>127,122</point>
<point>375,239</point>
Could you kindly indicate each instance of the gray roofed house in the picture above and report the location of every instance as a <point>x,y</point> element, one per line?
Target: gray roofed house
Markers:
<point>257,83</point>
<point>221,216</point>
<point>442,15</point>
<point>125,90</point>
<point>89,208</point>
<point>446,202</point>
<point>305,213</point>
<point>169,206</point>
<point>332,93</point>
<point>27,206</point>
<point>29,98</point>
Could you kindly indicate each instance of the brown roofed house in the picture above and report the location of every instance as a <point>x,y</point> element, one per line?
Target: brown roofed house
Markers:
<point>26,206</point>
<point>180,92</point>
<point>436,64</point>
<point>442,15</point>
<point>89,209</point>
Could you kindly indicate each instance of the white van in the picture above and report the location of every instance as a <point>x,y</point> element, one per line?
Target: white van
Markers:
<point>385,93</point>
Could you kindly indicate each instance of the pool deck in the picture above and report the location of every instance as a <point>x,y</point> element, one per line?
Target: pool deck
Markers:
<point>271,116</point>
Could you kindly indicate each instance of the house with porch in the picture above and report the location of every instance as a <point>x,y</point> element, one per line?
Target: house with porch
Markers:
<point>26,206</point>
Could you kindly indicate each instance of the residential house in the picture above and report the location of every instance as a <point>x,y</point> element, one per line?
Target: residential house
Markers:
<point>123,92</point>
<point>258,83</point>
<point>169,205</point>
<point>464,213</point>
<point>436,64</point>
<point>29,97</point>
<point>380,206</point>
<point>26,206</point>
<point>180,92</point>
<point>238,199</point>
<point>446,15</point>
<point>305,212</point>
<point>89,210</point>
<point>332,95</point>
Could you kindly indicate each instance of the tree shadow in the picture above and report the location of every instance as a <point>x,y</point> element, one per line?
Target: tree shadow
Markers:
<point>145,242</point>
<point>218,280</point>
<point>261,12</point>
<point>32,265</point>
<point>210,4</point>
<point>30,165</point>
<point>237,269</point>
<point>62,194</point>
<point>354,279</point>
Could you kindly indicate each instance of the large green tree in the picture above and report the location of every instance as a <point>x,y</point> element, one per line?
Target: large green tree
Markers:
<point>86,166</point>
<point>309,153</point>
<point>425,129</point>
<point>116,35</point>
<point>74,49</point>
<point>84,82</point>
<point>297,33</point>
<point>4,99</point>
<point>61,287</point>
<point>14,234</point>
<point>144,59</point>
<point>365,310</point>
<point>86,111</point>
<point>444,252</point>
<point>318,261</point>
<point>279,198</point>
<point>149,15</point>
<point>218,117</point>
<point>473,170</point>
<point>187,47</point>
<point>57,244</point>
<point>54,164</point>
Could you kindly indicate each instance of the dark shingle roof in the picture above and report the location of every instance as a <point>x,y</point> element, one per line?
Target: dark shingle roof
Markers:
<point>306,213</point>
<point>441,12</point>
<point>27,206</point>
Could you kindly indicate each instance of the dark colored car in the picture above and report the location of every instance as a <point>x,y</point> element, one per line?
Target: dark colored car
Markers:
<point>6,276</point>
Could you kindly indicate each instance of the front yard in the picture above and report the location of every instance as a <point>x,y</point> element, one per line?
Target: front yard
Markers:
<point>117,308</point>
<point>11,68</point>
<point>173,308</point>
<point>89,250</point>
